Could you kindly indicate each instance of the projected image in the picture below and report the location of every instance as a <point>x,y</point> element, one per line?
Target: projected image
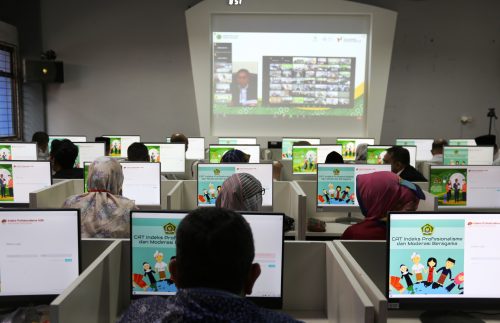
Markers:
<point>6,183</point>
<point>116,147</point>
<point>449,185</point>
<point>291,74</point>
<point>5,152</point>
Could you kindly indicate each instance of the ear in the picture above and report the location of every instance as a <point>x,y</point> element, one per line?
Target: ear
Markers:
<point>172,267</point>
<point>253,274</point>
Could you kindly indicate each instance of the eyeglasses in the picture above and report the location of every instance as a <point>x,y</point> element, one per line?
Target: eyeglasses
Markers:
<point>263,191</point>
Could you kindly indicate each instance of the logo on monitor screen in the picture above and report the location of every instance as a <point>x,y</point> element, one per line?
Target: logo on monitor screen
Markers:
<point>427,230</point>
<point>217,171</point>
<point>169,228</point>
<point>336,171</point>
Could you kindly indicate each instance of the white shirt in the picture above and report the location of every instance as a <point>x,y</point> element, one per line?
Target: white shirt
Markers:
<point>243,94</point>
<point>438,159</point>
<point>160,266</point>
<point>417,268</point>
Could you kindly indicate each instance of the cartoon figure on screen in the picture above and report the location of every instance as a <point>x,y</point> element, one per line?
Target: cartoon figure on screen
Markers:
<point>431,266</point>
<point>169,280</point>
<point>311,158</point>
<point>380,158</point>
<point>206,195</point>
<point>417,267</point>
<point>331,191</point>
<point>337,194</point>
<point>4,156</point>
<point>456,190</point>
<point>218,189</point>
<point>352,198</point>
<point>345,194</point>
<point>2,185</point>
<point>395,282</point>
<point>406,275</point>
<point>153,156</point>
<point>10,185</point>
<point>464,190</point>
<point>149,272</point>
<point>160,265</point>
<point>327,197</point>
<point>448,191</point>
<point>211,190</point>
<point>445,272</point>
<point>457,281</point>
<point>138,281</point>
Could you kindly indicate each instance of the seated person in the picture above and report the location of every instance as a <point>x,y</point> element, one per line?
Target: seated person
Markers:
<point>240,192</point>
<point>437,151</point>
<point>235,156</point>
<point>377,194</point>
<point>107,143</point>
<point>42,140</point>
<point>361,152</point>
<point>104,212</point>
<point>64,156</point>
<point>138,152</point>
<point>334,158</point>
<point>213,271</point>
<point>489,140</point>
<point>399,159</point>
<point>180,139</point>
<point>244,88</point>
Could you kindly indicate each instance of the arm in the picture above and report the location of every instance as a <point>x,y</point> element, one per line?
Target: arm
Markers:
<point>439,269</point>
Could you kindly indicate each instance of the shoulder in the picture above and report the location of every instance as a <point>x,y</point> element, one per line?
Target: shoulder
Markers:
<point>150,309</point>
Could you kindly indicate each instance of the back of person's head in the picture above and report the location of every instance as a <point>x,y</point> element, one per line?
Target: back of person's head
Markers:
<point>301,143</point>
<point>65,154</point>
<point>398,157</point>
<point>240,192</point>
<point>105,174</point>
<point>180,138</point>
<point>215,250</point>
<point>334,158</point>
<point>235,156</point>
<point>438,146</point>
<point>54,146</point>
<point>106,141</point>
<point>487,140</point>
<point>361,152</point>
<point>42,139</point>
<point>138,152</point>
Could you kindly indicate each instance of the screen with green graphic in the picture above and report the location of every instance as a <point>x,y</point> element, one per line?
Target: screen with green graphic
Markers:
<point>305,159</point>
<point>349,146</point>
<point>467,155</point>
<point>19,178</point>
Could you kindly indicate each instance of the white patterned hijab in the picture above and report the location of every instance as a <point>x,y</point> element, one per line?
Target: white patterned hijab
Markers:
<point>240,192</point>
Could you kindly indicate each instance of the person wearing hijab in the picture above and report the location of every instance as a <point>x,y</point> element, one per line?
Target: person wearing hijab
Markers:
<point>235,156</point>
<point>104,212</point>
<point>240,192</point>
<point>361,151</point>
<point>334,158</point>
<point>377,194</point>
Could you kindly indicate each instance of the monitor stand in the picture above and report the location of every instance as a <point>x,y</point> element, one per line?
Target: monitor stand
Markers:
<point>444,316</point>
<point>348,219</point>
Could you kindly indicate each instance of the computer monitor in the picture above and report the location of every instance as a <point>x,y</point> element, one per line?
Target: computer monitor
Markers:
<point>468,155</point>
<point>375,154</point>
<point>212,176</point>
<point>217,151</point>
<point>172,157</point>
<point>465,187</point>
<point>349,146</point>
<point>119,144</point>
<point>424,147</point>
<point>336,184</point>
<point>22,177</point>
<point>89,151</point>
<point>196,148</point>
<point>429,254</point>
<point>141,182</point>
<point>18,151</point>
<point>73,139</point>
<point>153,233</point>
<point>287,144</point>
<point>237,141</point>
<point>462,142</point>
<point>306,158</point>
<point>40,254</point>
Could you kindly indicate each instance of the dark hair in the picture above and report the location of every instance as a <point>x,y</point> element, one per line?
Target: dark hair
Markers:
<point>179,138</point>
<point>41,138</point>
<point>243,70</point>
<point>334,158</point>
<point>432,259</point>
<point>138,152</point>
<point>451,260</point>
<point>399,154</point>
<point>301,143</point>
<point>54,146</point>
<point>106,141</point>
<point>235,156</point>
<point>65,154</point>
<point>438,144</point>
<point>215,249</point>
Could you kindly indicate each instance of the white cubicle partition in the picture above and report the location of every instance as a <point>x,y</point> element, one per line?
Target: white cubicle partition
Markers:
<point>430,204</point>
<point>182,196</point>
<point>55,195</point>
<point>92,248</point>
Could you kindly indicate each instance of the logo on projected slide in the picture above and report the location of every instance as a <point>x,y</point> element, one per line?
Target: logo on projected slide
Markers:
<point>216,172</point>
<point>427,230</point>
<point>169,228</point>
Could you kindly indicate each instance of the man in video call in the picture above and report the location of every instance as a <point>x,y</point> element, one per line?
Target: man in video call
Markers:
<point>244,88</point>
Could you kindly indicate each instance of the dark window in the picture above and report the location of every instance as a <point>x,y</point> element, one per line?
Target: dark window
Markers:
<point>8,92</point>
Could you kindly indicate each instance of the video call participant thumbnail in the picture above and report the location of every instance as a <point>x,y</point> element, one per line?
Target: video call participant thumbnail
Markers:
<point>244,88</point>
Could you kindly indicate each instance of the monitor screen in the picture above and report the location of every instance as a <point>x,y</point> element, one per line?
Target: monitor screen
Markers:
<point>287,144</point>
<point>424,147</point>
<point>34,260</point>
<point>429,254</point>
<point>237,141</point>
<point>153,245</point>
<point>196,148</point>
<point>467,155</point>
<point>217,151</point>
<point>70,138</point>
<point>336,184</point>
<point>475,187</point>
<point>349,146</point>
<point>19,178</point>
<point>462,142</point>
<point>375,154</point>
<point>88,152</point>
<point>141,182</point>
<point>306,158</point>
<point>119,144</point>
<point>18,151</point>
<point>172,157</point>
<point>211,177</point>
